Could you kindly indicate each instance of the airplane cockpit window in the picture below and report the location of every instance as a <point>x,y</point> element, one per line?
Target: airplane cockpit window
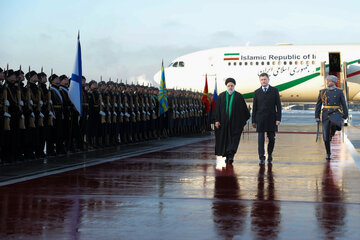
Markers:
<point>181,64</point>
<point>175,64</point>
<point>170,64</point>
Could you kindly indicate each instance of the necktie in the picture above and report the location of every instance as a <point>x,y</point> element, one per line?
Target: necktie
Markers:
<point>265,90</point>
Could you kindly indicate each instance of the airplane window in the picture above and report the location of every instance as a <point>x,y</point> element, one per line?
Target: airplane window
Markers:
<point>290,62</point>
<point>296,62</point>
<point>246,63</point>
<point>240,63</point>
<point>274,63</point>
<point>307,62</point>
<point>234,63</point>
<point>302,62</point>
<point>229,63</point>
<point>268,63</point>
<point>257,63</point>
<point>170,64</point>
<point>262,63</point>
<point>175,64</point>
<point>284,62</point>
<point>279,63</point>
<point>181,64</point>
<point>313,62</point>
<point>251,63</point>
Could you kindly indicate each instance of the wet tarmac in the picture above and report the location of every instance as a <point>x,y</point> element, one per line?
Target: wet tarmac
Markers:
<point>184,192</point>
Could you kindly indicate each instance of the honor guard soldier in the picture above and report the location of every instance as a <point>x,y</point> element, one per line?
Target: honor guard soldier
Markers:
<point>33,115</point>
<point>3,110</point>
<point>85,115</point>
<point>334,111</point>
<point>71,116</point>
<point>58,129</point>
<point>11,149</point>
<point>96,115</point>
<point>47,109</point>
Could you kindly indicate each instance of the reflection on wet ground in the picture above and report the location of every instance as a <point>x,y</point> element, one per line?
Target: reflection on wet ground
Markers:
<point>185,193</point>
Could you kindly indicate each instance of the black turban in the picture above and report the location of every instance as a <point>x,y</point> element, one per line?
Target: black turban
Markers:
<point>230,80</point>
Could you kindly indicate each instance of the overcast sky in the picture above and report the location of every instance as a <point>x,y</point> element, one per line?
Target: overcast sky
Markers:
<point>127,39</point>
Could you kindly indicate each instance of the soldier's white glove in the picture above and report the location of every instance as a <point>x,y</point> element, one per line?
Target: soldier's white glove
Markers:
<point>7,103</point>
<point>121,105</point>
<point>115,114</point>
<point>102,103</point>
<point>33,115</point>
<point>127,114</point>
<point>22,116</point>
<point>41,115</point>
<point>317,119</point>
<point>6,114</point>
<point>41,103</point>
<point>133,114</point>
<point>121,114</point>
<point>31,102</point>
<point>51,102</point>
<point>52,114</point>
<point>102,113</point>
<point>115,104</point>
<point>21,103</point>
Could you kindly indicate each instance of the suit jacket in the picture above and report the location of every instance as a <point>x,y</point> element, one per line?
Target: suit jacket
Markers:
<point>266,109</point>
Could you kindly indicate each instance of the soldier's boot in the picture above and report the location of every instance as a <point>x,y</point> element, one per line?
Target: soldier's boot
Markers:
<point>150,135</point>
<point>328,150</point>
<point>154,134</point>
<point>145,136</point>
<point>135,137</point>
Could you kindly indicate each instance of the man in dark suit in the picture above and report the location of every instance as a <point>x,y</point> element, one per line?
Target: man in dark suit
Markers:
<point>266,116</point>
<point>231,115</point>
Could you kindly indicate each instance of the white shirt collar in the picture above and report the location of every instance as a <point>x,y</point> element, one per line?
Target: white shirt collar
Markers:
<point>267,87</point>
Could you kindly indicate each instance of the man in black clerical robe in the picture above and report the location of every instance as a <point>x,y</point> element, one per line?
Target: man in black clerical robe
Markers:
<point>231,115</point>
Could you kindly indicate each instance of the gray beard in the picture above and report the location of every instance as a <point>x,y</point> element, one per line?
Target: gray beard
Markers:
<point>230,92</point>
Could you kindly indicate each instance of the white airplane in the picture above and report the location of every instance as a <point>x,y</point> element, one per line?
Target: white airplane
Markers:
<point>294,70</point>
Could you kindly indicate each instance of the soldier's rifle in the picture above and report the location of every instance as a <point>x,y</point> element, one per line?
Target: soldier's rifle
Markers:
<point>29,103</point>
<point>50,106</point>
<point>6,107</point>
<point>20,105</point>
<point>101,105</point>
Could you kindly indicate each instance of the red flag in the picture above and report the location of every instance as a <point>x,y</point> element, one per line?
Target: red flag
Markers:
<point>205,97</point>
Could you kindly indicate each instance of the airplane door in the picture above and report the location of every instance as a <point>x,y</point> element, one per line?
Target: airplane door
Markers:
<point>335,66</point>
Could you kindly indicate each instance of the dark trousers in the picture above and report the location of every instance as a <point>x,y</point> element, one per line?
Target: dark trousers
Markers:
<point>232,146</point>
<point>261,143</point>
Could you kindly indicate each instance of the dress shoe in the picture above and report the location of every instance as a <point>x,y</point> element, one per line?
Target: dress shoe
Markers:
<point>262,162</point>
<point>328,156</point>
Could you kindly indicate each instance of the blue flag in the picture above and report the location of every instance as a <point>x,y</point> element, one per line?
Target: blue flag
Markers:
<point>163,102</point>
<point>75,90</point>
<point>214,98</point>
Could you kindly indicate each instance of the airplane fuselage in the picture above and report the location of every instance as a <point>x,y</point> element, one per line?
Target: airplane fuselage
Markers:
<point>294,70</point>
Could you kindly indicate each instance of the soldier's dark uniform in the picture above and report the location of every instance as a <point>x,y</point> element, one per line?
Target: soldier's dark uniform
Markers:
<point>85,115</point>
<point>45,133</point>
<point>35,119</point>
<point>11,151</point>
<point>95,115</point>
<point>69,125</point>
<point>58,129</point>
<point>334,111</point>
